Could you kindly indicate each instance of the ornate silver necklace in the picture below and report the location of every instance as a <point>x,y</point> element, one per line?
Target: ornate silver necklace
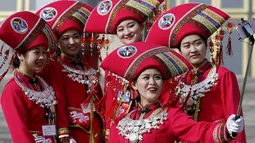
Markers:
<point>196,91</point>
<point>45,98</point>
<point>78,75</point>
<point>133,129</point>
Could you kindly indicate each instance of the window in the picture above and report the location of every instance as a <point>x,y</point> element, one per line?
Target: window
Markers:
<point>232,3</point>
<point>10,5</point>
<point>202,1</point>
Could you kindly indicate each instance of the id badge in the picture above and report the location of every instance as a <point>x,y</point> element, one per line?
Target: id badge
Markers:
<point>126,97</point>
<point>49,130</point>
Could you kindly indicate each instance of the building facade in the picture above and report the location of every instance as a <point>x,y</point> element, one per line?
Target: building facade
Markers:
<point>237,9</point>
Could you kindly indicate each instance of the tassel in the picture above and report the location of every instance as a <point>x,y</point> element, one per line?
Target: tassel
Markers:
<point>220,56</point>
<point>164,7</point>
<point>84,58</point>
<point>99,46</point>
<point>84,45</point>
<point>229,47</point>
<point>107,42</point>
<point>91,46</point>
<point>83,40</point>
<point>91,62</point>
<point>99,52</point>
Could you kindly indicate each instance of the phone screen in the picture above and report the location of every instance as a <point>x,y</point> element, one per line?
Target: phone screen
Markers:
<point>248,30</point>
<point>245,30</point>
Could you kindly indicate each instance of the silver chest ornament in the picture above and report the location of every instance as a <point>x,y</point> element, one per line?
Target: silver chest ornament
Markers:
<point>196,91</point>
<point>79,75</point>
<point>133,130</point>
<point>45,98</point>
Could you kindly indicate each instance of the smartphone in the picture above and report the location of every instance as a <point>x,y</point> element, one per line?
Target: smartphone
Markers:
<point>246,29</point>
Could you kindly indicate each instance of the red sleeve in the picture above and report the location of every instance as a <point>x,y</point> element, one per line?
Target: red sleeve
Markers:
<point>230,93</point>
<point>16,114</point>
<point>185,128</point>
<point>230,98</point>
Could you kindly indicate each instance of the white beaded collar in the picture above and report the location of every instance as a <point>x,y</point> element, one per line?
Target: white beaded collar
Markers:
<point>133,129</point>
<point>45,98</point>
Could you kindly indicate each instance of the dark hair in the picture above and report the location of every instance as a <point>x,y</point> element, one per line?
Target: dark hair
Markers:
<point>58,52</point>
<point>16,61</point>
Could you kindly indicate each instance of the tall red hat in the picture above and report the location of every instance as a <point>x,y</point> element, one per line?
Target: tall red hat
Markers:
<point>24,30</point>
<point>109,13</point>
<point>130,60</point>
<point>184,20</point>
<point>65,15</point>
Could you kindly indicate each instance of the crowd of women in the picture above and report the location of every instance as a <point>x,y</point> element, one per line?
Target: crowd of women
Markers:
<point>156,89</point>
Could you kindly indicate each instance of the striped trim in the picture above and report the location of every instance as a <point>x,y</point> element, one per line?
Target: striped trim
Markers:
<point>219,134</point>
<point>49,35</point>
<point>154,3</point>
<point>61,19</point>
<point>210,26</point>
<point>215,134</point>
<point>76,12</point>
<point>131,70</point>
<point>170,63</point>
<point>214,16</point>
<point>82,14</point>
<point>173,63</point>
<point>115,10</point>
<point>182,21</point>
<point>144,7</point>
<point>209,19</point>
<point>62,131</point>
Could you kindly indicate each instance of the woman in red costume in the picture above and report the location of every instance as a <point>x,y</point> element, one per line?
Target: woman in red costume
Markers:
<point>127,20</point>
<point>152,120</point>
<point>28,102</point>
<point>82,92</point>
<point>209,92</point>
